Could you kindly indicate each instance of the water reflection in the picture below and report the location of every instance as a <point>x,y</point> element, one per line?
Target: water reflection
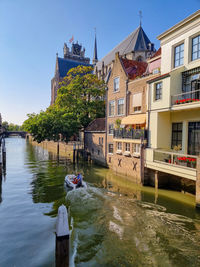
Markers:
<point>113,222</point>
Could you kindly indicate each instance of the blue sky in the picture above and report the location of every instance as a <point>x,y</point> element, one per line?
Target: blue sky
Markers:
<point>32,31</point>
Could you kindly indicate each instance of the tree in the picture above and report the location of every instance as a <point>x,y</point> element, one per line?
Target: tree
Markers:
<point>5,125</point>
<point>80,100</point>
<point>82,94</point>
<point>11,126</point>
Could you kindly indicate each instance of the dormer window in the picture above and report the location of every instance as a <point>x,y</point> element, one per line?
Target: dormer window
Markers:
<point>178,55</point>
<point>116,84</point>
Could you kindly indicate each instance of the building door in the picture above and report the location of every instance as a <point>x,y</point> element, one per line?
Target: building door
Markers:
<point>194,138</point>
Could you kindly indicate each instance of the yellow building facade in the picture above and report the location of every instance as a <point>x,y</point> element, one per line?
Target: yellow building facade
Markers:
<point>174,102</point>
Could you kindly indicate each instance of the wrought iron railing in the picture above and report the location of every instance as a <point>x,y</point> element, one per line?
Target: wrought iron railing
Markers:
<point>130,134</point>
<point>176,159</point>
<point>187,97</point>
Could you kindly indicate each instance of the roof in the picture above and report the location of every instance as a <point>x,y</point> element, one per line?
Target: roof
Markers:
<point>136,41</point>
<point>158,53</point>
<point>64,65</point>
<point>97,125</point>
<point>160,77</point>
<point>134,68</point>
<point>179,24</point>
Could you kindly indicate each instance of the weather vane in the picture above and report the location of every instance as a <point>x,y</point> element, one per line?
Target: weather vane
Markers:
<point>140,15</point>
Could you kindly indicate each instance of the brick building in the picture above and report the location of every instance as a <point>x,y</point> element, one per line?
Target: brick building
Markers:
<point>95,140</point>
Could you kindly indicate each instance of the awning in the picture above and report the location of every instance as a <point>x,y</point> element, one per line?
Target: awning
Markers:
<point>134,119</point>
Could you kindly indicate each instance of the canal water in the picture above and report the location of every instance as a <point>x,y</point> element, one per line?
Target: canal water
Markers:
<point>113,222</point>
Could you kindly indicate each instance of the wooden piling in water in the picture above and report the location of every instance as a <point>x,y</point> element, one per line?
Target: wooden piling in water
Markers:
<point>62,238</point>
<point>4,154</point>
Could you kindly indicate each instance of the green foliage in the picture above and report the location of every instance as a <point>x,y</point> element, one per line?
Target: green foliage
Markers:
<point>118,123</point>
<point>11,127</point>
<point>82,94</point>
<point>80,99</point>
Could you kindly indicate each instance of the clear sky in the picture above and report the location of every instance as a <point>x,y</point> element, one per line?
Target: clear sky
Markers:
<point>32,31</point>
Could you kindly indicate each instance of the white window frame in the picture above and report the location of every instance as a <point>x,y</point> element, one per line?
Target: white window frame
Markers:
<point>137,109</point>
<point>176,46</point>
<point>118,107</point>
<point>109,148</point>
<point>116,89</point>
<point>198,51</point>
<point>155,88</point>
<point>111,101</point>
<point>136,150</point>
<point>119,146</point>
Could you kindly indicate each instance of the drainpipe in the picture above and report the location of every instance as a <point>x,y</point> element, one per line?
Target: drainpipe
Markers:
<point>106,97</point>
<point>149,107</point>
<point>126,100</point>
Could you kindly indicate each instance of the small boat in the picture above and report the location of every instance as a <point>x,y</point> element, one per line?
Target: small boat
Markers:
<point>69,180</point>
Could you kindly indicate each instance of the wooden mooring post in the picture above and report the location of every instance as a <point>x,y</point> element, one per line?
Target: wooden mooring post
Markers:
<point>0,164</point>
<point>4,153</point>
<point>62,238</point>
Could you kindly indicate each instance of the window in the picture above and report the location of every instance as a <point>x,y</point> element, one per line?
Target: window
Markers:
<point>116,84</point>
<point>155,71</point>
<point>110,148</point>
<point>100,140</point>
<point>136,148</point>
<point>177,134</point>
<point>119,146</point>
<point>196,48</point>
<point>98,152</point>
<point>110,129</point>
<point>120,106</point>
<point>112,108</point>
<point>137,102</point>
<point>194,138</point>
<point>178,55</point>
<point>127,147</point>
<point>158,91</point>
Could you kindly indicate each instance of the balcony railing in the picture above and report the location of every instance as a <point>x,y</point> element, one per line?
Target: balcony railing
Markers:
<point>188,97</point>
<point>176,159</point>
<point>130,134</point>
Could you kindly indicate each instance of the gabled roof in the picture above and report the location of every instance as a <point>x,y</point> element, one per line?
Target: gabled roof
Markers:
<point>134,68</point>
<point>136,41</point>
<point>97,125</point>
<point>64,65</point>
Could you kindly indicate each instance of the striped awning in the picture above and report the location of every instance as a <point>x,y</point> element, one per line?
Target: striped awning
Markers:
<point>134,119</point>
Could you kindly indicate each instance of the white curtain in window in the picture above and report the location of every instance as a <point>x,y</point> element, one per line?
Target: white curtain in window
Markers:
<point>137,100</point>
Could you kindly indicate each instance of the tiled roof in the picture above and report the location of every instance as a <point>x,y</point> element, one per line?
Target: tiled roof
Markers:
<point>158,53</point>
<point>64,65</point>
<point>157,78</point>
<point>136,41</point>
<point>97,125</point>
<point>134,68</point>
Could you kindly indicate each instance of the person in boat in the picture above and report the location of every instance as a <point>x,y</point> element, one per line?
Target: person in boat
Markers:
<point>78,179</point>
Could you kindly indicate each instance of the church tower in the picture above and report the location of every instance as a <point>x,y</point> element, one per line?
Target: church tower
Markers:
<point>95,58</point>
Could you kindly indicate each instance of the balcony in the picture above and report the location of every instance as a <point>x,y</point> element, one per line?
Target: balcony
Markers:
<point>130,134</point>
<point>175,159</point>
<point>182,165</point>
<point>192,97</point>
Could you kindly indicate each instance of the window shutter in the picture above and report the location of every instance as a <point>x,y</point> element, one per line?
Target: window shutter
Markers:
<point>137,100</point>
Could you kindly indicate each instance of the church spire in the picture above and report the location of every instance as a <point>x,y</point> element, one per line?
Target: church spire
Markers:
<point>95,58</point>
